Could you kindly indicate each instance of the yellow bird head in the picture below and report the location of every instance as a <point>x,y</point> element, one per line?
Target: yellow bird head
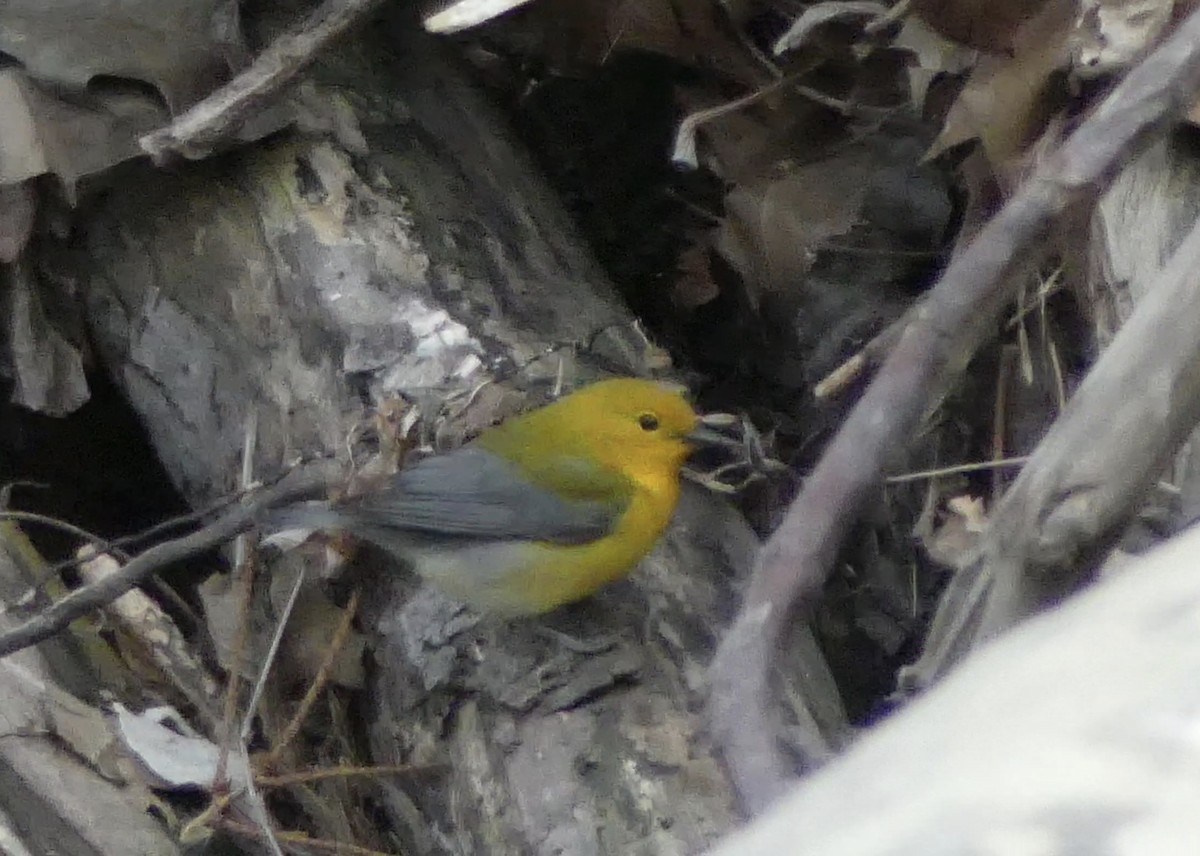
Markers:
<point>638,428</point>
<point>627,423</point>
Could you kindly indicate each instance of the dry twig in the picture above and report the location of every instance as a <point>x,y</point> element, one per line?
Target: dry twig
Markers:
<point>956,317</point>
<point>298,485</point>
<point>218,117</point>
<point>319,681</point>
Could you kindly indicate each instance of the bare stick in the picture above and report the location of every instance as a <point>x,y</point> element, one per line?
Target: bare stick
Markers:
<point>215,119</point>
<point>955,317</point>
<point>866,357</point>
<point>100,545</point>
<point>319,681</point>
<point>83,600</point>
<point>305,777</point>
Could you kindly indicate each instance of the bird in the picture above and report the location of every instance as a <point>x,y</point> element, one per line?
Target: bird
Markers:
<point>539,511</point>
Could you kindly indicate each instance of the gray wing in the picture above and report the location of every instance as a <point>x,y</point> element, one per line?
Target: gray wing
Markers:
<point>475,494</point>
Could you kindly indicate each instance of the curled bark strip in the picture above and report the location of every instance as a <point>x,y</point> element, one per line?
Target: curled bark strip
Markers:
<point>955,317</point>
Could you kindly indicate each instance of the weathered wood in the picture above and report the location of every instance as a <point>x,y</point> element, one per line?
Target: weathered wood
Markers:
<point>62,786</point>
<point>1074,733</point>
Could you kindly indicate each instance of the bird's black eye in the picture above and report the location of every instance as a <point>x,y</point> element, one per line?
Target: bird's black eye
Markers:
<point>648,421</point>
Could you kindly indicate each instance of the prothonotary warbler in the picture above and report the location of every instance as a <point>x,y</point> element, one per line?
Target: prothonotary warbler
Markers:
<point>538,511</point>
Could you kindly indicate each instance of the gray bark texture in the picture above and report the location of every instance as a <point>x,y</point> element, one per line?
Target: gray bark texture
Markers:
<point>402,245</point>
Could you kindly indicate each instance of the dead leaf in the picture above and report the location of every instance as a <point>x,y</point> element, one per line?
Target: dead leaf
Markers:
<point>47,369</point>
<point>774,227</point>
<point>34,707</point>
<point>170,760</point>
<point>18,206</point>
<point>459,15</point>
<point>182,48</point>
<point>694,285</point>
<point>222,602</point>
<point>310,630</point>
<point>736,145</point>
<point>934,55</point>
<point>1006,99</point>
<point>982,24</point>
<point>41,133</point>
<point>691,31</point>
<point>820,14</point>
<point>952,542</point>
<point>685,152</point>
<point>970,510</point>
<point>85,730</point>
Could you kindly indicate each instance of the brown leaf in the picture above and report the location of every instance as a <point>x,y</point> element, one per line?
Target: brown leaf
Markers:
<point>1007,100</point>
<point>40,133</point>
<point>183,48</point>
<point>774,226</point>
<point>18,205</point>
<point>47,369</point>
<point>310,631</point>
<point>934,55</point>
<point>819,14</point>
<point>739,145</point>
<point>982,24</point>
<point>694,284</point>
<point>691,31</point>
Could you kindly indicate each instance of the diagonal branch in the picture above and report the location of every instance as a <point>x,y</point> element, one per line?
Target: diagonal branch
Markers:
<point>954,319</point>
<point>240,518</point>
<point>218,117</point>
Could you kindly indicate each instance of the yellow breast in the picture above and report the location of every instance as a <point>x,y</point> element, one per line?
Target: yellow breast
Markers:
<point>559,574</point>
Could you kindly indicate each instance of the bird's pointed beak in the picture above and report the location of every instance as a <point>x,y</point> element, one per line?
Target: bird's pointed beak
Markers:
<point>706,432</point>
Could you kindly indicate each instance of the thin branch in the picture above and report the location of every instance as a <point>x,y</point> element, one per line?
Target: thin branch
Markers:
<point>866,357</point>
<point>319,681</point>
<point>99,544</point>
<point>83,600</point>
<point>260,683</point>
<point>215,119</point>
<point>956,317</point>
<point>306,777</point>
<point>245,565</point>
<point>300,841</point>
<point>974,467</point>
<point>256,805</point>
